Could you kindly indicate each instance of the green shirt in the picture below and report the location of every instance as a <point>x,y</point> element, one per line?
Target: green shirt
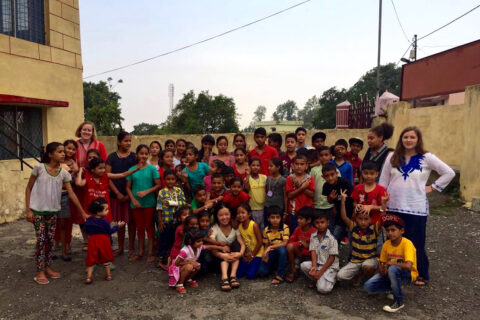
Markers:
<point>143,180</point>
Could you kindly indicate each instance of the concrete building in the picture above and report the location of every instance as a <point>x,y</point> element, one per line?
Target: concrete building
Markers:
<point>41,90</point>
<point>278,126</point>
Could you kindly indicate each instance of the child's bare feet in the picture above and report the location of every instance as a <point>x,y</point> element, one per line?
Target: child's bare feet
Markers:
<point>150,259</point>
<point>311,284</point>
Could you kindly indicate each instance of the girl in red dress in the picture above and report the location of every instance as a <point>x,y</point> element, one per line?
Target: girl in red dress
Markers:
<point>241,168</point>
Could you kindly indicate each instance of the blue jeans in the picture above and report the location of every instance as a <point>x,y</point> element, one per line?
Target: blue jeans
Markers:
<point>249,268</point>
<point>206,259</point>
<point>276,259</point>
<point>393,280</point>
<point>293,223</point>
<point>167,237</point>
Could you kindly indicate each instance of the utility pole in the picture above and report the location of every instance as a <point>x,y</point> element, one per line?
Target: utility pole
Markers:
<point>415,47</point>
<point>379,45</point>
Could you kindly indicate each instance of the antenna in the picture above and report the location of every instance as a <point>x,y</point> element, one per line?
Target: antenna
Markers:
<point>171,91</point>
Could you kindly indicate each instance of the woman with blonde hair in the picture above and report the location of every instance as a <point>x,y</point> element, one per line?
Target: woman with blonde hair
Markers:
<point>88,140</point>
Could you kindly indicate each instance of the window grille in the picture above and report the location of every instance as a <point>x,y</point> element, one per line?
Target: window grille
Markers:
<point>24,19</point>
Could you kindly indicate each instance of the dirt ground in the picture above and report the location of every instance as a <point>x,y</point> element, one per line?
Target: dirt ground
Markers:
<point>140,290</point>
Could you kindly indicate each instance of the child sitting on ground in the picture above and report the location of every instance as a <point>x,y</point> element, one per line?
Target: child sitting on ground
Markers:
<point>99,245</point>
<point>323,267</point>
<point>298,245</point>
<point>275,239</point>
<point>398,263</point>
<point>345,168</point>
<point>356,145</point>
<point>182,214</point>
<point>204,225</point>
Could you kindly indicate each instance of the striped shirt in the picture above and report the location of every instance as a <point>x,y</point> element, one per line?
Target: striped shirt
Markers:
<point>364,243</point>
<point>271,237</point>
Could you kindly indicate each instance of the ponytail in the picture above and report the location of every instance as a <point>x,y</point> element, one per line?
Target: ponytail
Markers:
<point>50,148</point>
<point>384,130</point>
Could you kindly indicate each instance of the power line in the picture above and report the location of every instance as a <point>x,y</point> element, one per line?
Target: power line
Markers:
<point>198,42</point>
<point>400,60</point>
<point>398,19</point>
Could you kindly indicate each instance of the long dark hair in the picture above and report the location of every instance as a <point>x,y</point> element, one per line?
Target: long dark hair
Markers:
<point>399,153</point>
<point>219,207</point>
<point>121,135</point>
<point>207,138</point>
<point>50,148</point>
<point>277,162</point>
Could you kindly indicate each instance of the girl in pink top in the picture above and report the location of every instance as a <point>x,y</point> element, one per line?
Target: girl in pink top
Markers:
<point>223,155</point>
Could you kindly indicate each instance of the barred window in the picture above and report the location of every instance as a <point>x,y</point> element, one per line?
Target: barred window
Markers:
<point>23,19</point>
<point>23,121</point>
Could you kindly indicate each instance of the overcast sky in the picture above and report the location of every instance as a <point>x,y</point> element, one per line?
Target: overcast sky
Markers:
<point>294,55</point>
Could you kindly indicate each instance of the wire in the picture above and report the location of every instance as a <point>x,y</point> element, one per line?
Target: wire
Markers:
<point>198,42</point>
<point>398,19</point>
<point>400,60</point>
<point>463,15</point>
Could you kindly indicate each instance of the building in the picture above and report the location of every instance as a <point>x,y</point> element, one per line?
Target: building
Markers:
<point>278,126</point>
<point>41,89</point>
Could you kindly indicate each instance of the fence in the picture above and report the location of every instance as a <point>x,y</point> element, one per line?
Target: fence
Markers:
<point>358,115</point>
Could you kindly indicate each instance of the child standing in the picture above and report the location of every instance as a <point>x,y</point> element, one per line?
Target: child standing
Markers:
<point>301,134</point>
<point>240,167</point>
<point>275,239</point>
<point>228,174</point>
<point>142,187</point>
<point>235,196</point>
<point>254,184</point>
<point>252,236</point>
<point>239,141</point>
<point>166,163</point>
<point>99,244</point>
<point>200,202</point>
<point>298,245</point>
<point>275,185</point>
<point>318,140</point>
<point>324,264</point>
<point>155,149</point>
<point>398,264</point>
<point>217,192</point>
<point>42,200</point>
<point>215,167</point>
<point>169,199</point>
<point>170,145</point>
<point>275,141</point>
<point>195,171</point>
<point>180,147</point>
<point>287,157</point>
<point>262,152</point>
<point>223,155</point>
<point>356,145</point>
<point>345,168</point>
<point>206,151</point>
<point>299,188</point>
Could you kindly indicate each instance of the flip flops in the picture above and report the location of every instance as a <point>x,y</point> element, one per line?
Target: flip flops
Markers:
<point>41,280</point>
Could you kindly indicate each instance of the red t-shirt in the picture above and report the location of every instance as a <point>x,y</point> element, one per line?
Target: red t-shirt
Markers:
<point>287,163</point>
<point>302,200</point>
<point>298,235</point>
<point>356,164</point>
<point>94,190</point>
<point>267,154</point>
<point>373,197</point>
<point>234,201</point>
<point>214,195</point>
<point>162,182</point>
<point>238,174</point>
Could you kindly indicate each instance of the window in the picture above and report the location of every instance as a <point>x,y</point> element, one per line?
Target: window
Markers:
<point>23,19</point>
<point>27,122</point>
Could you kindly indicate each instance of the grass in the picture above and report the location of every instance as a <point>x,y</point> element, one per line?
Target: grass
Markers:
<point>447,208</point>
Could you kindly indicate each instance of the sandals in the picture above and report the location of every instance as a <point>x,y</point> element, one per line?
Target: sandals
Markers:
<point>225,285</point>
<point>88,280</point>
<point>53,274</point>
<point>108,277</point>
<point>291,276</point>
<point>180,289</point>
<point>41,280</point>
<point>192,283</point>
<point>234,282</point>
<point>277,280</point>
<point>420,282</point>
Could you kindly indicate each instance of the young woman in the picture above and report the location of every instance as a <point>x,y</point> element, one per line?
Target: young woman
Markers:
<point>206,151</point>
<point>223,155</point>
<point>87,140</point>
<point>155,149</point>
<point>405,174</point>
<point>377,149</point>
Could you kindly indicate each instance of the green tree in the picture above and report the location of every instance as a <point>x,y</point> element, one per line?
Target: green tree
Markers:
<point>390,77</point>
<point>325,115</point>
<point>307,114</point>
<point>202,114</point>
<point>259,114</point>
<point>286,111</point>
<point>102,106</point>
<point>250,128</point>
<point>143,129</point>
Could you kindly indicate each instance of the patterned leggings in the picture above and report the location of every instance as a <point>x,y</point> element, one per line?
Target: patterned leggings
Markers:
<point>45,233</point>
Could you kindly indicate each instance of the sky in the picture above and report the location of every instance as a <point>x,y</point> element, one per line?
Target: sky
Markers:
<point>292,56</point>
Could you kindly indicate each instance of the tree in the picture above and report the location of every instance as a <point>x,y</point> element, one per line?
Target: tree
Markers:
<point>202,114</point>
<point>143,129</point>
<point>250,128</point>
<point>390,77</point>
<point>286,111</point>
<point>308,112</point>
<point>325,115</point>
<point>102,106</point>
<point>259,114</point>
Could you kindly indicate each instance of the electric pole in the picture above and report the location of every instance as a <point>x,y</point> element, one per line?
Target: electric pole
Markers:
<point>379,45</point>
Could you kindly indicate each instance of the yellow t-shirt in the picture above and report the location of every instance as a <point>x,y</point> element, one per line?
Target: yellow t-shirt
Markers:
<point>257,192</point>
<point>249,238</point>
<point>405,251</point>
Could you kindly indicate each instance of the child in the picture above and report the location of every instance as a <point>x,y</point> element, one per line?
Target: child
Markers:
<point>166,163</point>
<point>275,239</point>
<point>323,247</point>
<point>398,263</point>
<point>181,214</point>
<point>312,158</point>
<point>252,237</point>
<point>363,259</point>
<point>275,141</point>
<point>301,134</point>
<point>217,191</point>
<point>287,157</point>
<point>200,202</point>
<point>230,246</point>
<point>118,162</point>
<point>319,200</point>
<point>262,152</point>
<point>254,184</point>
<point>42,202</point>
<point>142,187</point>
<point>195,171</point>
<point>370,196</point>
<point>318,140</point>
<point>215,167</point>
<point>99,244</point>
<point>204,223</point>
<point>204,226</point>
<point>185,266</point>
<point>275,186</point>
<point>240,168</point>
<point>239,141</point>
<point>299,188</point>
<point>170,145</point>
<point>345,168</point>
<point>169,199</point>
<point>206,151</point>
<point>223,155</point>
<point>181,184</point>
<point>356,145</point>
<point>298,245</point>
<point>155,149</point>
<point>228,174</point>
<point>180,147</point>
<point>235,196</point>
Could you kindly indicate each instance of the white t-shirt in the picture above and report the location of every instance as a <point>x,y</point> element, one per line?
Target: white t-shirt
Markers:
<point>47,190</point>
<point>218,235</point>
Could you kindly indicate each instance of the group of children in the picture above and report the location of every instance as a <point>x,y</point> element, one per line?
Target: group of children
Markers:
<point>244,214</point>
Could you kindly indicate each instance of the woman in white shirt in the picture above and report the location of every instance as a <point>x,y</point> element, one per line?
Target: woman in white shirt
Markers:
<point>405,174</point>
